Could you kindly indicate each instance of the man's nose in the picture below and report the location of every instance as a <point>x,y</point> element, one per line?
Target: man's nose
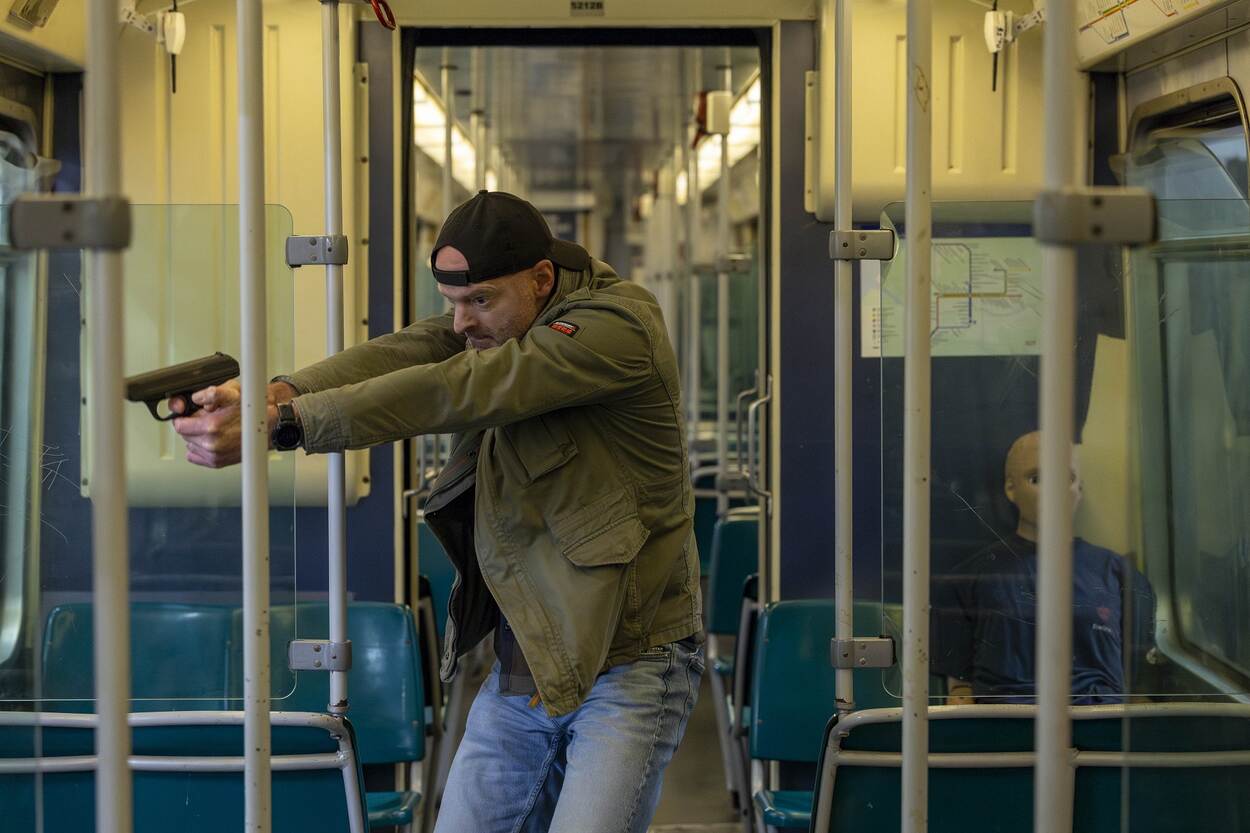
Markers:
<point>462,320</point>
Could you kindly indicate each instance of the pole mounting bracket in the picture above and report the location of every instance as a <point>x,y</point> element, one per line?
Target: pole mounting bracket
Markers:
<point>1083,216</point>
<point>316,250</point>
<point>862,652</point>
<point>69,221</point>
<point>319,655</point>
<point>865,244</point>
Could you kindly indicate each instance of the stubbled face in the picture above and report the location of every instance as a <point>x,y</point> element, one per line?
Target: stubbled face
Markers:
<point>489,313</point>
<point>1022,482</point>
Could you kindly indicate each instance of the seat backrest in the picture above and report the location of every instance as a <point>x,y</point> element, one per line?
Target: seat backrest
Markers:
<point>744,651</point>
<point>706,516</point>
<point>735,555</point>
<point>178,657</point>
<point>704,529</point>
<point>384,688</point>
<point>188,802</point>
<point>998,798</point>
<point>793,688</point>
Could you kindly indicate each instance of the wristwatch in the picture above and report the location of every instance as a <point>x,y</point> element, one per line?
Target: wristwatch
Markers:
<point>288,434</point>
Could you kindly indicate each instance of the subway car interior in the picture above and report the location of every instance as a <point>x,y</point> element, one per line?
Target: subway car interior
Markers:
<point>952,292</point>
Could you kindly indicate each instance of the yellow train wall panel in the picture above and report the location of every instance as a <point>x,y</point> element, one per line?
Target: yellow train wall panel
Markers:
<point>986,140</point>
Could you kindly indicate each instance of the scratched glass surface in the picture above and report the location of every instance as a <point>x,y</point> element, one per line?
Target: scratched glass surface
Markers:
<point>181,303</point>
<point>1160,473</point>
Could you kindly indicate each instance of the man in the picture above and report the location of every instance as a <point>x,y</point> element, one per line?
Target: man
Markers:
<point>985,616</point>
<point>565,506</point>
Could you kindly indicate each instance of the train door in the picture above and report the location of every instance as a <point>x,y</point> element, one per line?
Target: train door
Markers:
<point>608,134</point>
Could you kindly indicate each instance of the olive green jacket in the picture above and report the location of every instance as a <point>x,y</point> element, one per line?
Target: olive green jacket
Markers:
<point>571,438</point>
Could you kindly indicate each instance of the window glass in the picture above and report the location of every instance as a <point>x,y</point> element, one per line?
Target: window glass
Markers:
<point>1193,359</point>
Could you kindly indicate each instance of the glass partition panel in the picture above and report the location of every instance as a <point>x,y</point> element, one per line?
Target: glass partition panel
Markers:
<point>1190,360</point>
<point>985,334</point>
<point>1189,356</point>
<point>23,458</point>
<point>181,303</point>
<point>1161,466</point>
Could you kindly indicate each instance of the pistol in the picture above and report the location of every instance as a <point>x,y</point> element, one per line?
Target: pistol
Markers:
<point>179,381</point>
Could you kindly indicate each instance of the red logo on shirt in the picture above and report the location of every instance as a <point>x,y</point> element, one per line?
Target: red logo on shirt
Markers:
<point>565,327</point>
<point>1104,613</point>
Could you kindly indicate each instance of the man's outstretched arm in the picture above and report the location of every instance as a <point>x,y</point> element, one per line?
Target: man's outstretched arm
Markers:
<point>427,341</point>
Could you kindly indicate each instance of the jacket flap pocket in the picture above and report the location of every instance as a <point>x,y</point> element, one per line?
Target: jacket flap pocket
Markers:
<point>605,532</point>
<point>542,443</point>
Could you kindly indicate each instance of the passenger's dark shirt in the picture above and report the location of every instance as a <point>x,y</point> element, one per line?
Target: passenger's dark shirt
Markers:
<point>515,676</point>
<point>985,614</point>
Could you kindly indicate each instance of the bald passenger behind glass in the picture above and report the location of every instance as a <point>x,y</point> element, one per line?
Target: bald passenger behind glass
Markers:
<point>985,613</point>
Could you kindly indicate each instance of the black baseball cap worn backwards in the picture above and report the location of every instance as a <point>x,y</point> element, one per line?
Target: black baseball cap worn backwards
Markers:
<point>500,234</point>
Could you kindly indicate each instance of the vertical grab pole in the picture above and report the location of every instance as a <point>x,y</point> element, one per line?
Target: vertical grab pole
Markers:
<point>672,230</point>
<point>1053,786</point>
<point>257,785</point>
<point>916,428</point>
<point>694,200</point>
<point>336,478</point>
<point>843,344</point>
<point>449,121</point>
<point>722,310</point>
<point>109,530</point>
<point>477,120</point>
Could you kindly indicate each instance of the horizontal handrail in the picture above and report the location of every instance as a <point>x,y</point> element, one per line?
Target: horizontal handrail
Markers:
<point>175,763</point>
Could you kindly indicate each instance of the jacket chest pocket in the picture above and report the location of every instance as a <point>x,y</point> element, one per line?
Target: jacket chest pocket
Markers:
<point>542,444</point>
<point>606,531</point>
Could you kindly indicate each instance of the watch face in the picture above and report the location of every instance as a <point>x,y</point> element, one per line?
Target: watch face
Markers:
<point>286,436</point>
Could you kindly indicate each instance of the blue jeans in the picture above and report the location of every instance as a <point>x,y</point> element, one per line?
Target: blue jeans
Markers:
<point>596,770</point>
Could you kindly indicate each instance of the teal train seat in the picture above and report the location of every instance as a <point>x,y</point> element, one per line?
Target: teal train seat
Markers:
<point>189,658</point>
<point>736,709</point>
<point>735,555</point>
<point>1177,766</point>
<point>793,694</point>
<point>706,516</point>
<point>178,657</point>
<point>384,688</point>
<point>188,773</point>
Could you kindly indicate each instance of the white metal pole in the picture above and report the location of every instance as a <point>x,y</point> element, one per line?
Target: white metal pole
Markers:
<point>916,413</point>
<point>336,477</point>
<point>1053,786</point>
<point>257,784</point>
<point>666,207</point>
<point>477,120</point>
<point>109,529</point>
<point>694,201</point>
<point>449,119</point>
<point>722,309</point>
<point>843,345</point>
<point>677,165</point>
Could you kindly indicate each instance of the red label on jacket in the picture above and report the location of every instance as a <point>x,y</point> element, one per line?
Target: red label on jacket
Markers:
<point>565,327</point>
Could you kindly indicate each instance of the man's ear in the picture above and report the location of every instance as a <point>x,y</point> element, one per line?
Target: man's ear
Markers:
<point>1009,489</point>
<point>544,277</point>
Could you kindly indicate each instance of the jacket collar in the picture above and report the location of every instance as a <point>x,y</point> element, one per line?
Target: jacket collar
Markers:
<point>569,281</point>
